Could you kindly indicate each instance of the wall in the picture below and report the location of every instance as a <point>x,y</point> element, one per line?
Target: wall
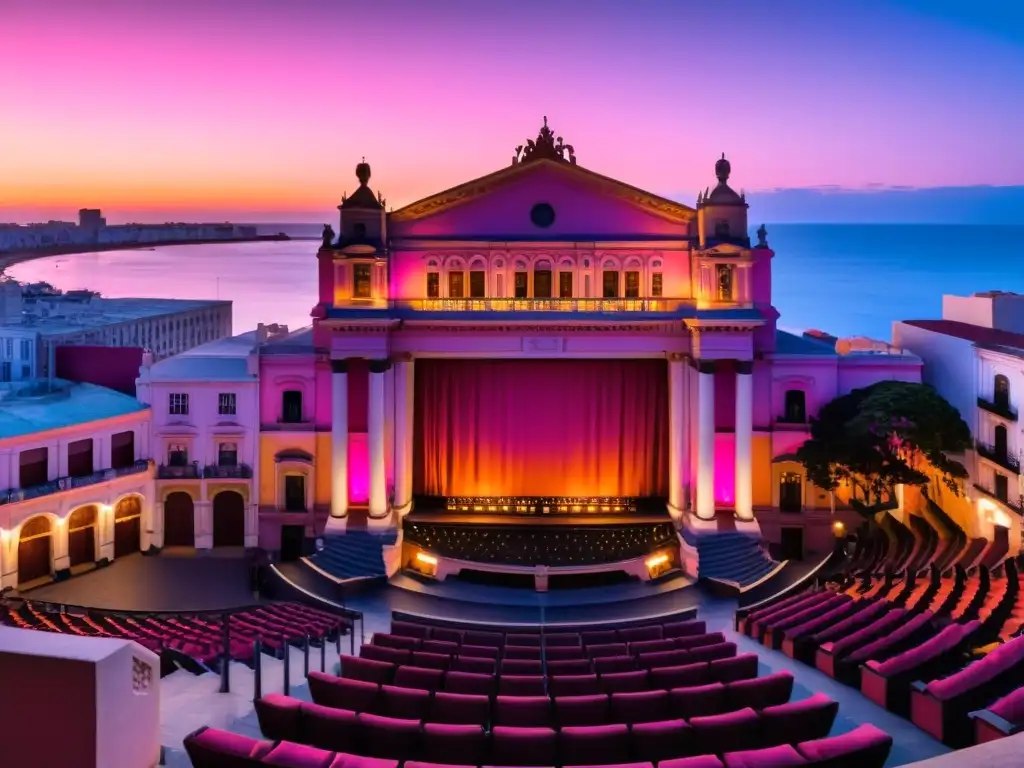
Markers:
<point>112,367</point>
<point>948,366</point>
<point>859,371</point>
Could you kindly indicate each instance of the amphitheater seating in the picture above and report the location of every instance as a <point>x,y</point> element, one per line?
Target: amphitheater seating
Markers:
<point>195,638</point>
<point>864,747</point>
<point>942,707</point>
<point>1003,717</point>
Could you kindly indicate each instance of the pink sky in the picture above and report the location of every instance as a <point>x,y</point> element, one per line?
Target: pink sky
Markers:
<point>260,110</point>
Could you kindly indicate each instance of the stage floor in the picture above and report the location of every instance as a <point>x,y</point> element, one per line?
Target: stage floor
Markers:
<point>571,520</point>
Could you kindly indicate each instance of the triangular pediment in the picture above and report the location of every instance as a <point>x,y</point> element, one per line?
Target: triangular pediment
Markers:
<point>561,184</point>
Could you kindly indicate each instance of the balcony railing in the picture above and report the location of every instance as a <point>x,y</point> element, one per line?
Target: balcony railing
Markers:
<point>230,471</point>
<point>1002,458</point>
<point>1017,504</point>
<point>542,305</point>
<point>14,495</point>
<point>999,409</point>
<point>178,472</point>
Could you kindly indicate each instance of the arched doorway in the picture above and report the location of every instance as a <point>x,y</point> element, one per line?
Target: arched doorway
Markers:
<point>127,526</point>
<point>82,535</point>
<point>35,552</point>
<point>179,520</point>
<point>791,492</point>
<point>228,519</point>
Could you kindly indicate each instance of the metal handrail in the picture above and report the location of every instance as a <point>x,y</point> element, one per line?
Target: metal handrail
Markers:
<point>14,495</point>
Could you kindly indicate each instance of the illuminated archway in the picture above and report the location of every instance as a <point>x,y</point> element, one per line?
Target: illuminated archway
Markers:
<point>82,535</point>
<point>228,519</point>
<point>127,526</point>
<point>35,549</point>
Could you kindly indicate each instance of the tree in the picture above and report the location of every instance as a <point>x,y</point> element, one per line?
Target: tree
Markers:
<point>882,436</point>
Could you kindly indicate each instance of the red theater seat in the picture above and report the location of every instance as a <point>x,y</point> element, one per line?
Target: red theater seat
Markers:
<point>608,664</point>
<point>783,756</point>
<point>521,685</point>
<point>447,635</point>
<point>389,737</point>
<point>864,747</point>
<point>442,743</point>
<point>532,652</point>
<point>573,685</point>
<point>624,682</point>
<point>716,734</point>
<point>474,664</point>
<point>594,745</point>
<point>736,668</point>
<point>797,721</point>
<point>286,754</point>
<point>404,703</point>
<point>395,641</point>
<point>522,640</point>
<point>408,629</point>
<point>640,634</point>
<point>523,711</point>
<point>712,652</point>
<point>342,693</point>
<point>661,740</point>
<point>523,746</point>
<point>420,677</point>
<point>682,676</point>
<point>698,701</point>
<point>582,710</point>
<point>384,653</point>
<point>639,707</point>
<point>760,692</point>
<point>280,717</point>
<point>460,708</point>
<point>210,748</point>
<point>369,670</point>
<point>701,761</point>
<point>683,628</point>
<point>470,682</point>
<point>329,728</point>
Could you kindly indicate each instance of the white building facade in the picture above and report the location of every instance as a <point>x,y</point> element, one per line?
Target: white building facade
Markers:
<point>205,437</point>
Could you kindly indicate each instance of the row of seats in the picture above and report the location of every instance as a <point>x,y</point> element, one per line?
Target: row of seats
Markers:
<point>708,698</point>
<point>610,657</point>
<point>644,740</point>
<point>197,637</point>
<point>863,747</point>
<point>434,679</point>
<point>476,637</point>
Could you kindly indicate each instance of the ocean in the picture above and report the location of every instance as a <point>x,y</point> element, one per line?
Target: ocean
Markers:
<point>848,280</point>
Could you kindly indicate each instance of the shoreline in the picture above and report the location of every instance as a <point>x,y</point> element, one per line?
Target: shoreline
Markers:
<point>12,258</point>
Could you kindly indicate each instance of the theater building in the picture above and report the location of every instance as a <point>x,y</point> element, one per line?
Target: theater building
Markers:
<point>77,479</point>
<point>547,339</point>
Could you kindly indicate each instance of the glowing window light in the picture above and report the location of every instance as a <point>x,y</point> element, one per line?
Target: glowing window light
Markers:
<point>654,562</point>
<point>423,557</point>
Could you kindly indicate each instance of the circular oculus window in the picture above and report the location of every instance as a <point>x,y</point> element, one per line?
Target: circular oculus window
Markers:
<point>542,215</point>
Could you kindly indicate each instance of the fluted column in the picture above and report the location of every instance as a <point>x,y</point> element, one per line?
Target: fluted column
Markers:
<point>676,432</point>
<point>339,438</point>
<point>705,439</point>
<point>403,432</point>
<point>375,439</point>
<point>744,471</point>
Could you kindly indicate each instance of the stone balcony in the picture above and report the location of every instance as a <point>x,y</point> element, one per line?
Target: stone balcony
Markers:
<point>14,495</point>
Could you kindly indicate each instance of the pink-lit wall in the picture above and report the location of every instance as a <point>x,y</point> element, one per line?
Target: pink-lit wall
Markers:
<point>112,367</point>
<point>857,371</point>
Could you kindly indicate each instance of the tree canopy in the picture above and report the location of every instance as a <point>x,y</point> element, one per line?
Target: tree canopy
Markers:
<point>882,436</point>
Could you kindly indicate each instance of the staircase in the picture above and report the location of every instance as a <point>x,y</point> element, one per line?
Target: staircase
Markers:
<point>353,554</point>
<point>736,557</point>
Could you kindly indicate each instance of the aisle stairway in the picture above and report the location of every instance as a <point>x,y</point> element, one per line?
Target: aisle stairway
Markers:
<point>353,554</point>
<point>731,556</point>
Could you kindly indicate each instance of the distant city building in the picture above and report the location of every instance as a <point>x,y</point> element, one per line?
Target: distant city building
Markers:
<point>91,218</point>
<point>76,483</point>
<point>974,357</point>
<point>35,320</point>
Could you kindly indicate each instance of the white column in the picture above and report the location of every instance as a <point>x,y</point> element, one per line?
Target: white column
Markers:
<point>676,435</point>
<point>705,440</point>
<point>339,438</point>
<point>744,471</point>
<point>403,432</point>
<point>375,440</point>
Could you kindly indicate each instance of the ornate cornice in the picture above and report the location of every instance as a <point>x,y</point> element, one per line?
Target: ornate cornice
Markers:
<point>666,328</point>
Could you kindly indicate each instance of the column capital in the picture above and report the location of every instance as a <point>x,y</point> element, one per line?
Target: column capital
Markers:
<point>676,357</point>
<point>339,366</point>
<point>380,366</point>
<point>402,357</point>
<point>744,367</point>
<point>704,366</point>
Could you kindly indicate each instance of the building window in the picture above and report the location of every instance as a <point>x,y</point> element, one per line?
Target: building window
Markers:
<point>565,285</point>
<point>227,404</point>
<point>610,284</point>
<point>178,404</point>
<point>361,281</point>
<point>1002,487</point>
<point>522,285</point>
<point>791,492</point>
<point>295,493</point>
<point>1000,446</point>
<point>122,450</point>
<point>456,285</point>
<point>542,283</point>
<point>477,284</point>
<point>291,406</point>
<point>26,349</point>
<point>632,285</point>
<point>227,454</point>
<point>721,230</point>
<point>177,455</point>
<point>8,348</point>
<point>725,281</point>
<point>80,458</point>
<point>795,407</point>
<point>26,371</point>
<point>433,285</point>
<point>33,467</point>
<point>656,283</point>
<point>5,371</point>
<point>1001,391</point>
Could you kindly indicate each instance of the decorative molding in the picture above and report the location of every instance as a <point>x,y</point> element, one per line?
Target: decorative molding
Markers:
<point>478,327</point>
<point>543,344</point>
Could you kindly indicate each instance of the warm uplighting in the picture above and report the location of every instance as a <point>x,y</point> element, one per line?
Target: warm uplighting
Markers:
<point>992,513</point>
<point>423,557</point>
<point>838,528</point>
<point>658,564</point>
<point>654,562</point>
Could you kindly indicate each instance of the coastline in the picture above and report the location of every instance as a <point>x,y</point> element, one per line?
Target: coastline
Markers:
<point>12,258</point>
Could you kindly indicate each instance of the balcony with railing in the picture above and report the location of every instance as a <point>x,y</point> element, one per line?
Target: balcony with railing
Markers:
<point>228,471</point>
<point>1001,409</point>
<point>179,471</point>
<point>1005,499</point>
<point>999,456</point>
<point>614,305</point>
<point>14,495</point>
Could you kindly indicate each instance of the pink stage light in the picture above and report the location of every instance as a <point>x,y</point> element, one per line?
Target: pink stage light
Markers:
<point>358,469</point>
<point>725,471</point>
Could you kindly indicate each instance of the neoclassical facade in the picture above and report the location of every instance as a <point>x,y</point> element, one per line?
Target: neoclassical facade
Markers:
<point>74,460</point>
<point>518,335</point>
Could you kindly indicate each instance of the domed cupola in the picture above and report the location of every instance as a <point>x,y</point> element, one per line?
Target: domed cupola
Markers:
<point>363,197</point>
<point>722,212</point>
<point>362,215</point>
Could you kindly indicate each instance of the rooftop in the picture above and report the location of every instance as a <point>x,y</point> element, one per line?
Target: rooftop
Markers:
<point>787,343</point>
<point>818,343</point>
<point>988,337</point>
<point>222,360</point>
<point>296,342</point>
<point>99,312</point>
<point>39,407</point>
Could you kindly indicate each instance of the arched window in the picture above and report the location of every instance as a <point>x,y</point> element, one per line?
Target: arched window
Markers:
<point>542,279</point>
<point>291,406</point>
<point>1001,388</point>
<point>725,282</point>
<point>795,408</point>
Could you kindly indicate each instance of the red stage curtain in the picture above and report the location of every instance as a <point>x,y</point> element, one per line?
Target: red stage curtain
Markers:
<point>541,427</point>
